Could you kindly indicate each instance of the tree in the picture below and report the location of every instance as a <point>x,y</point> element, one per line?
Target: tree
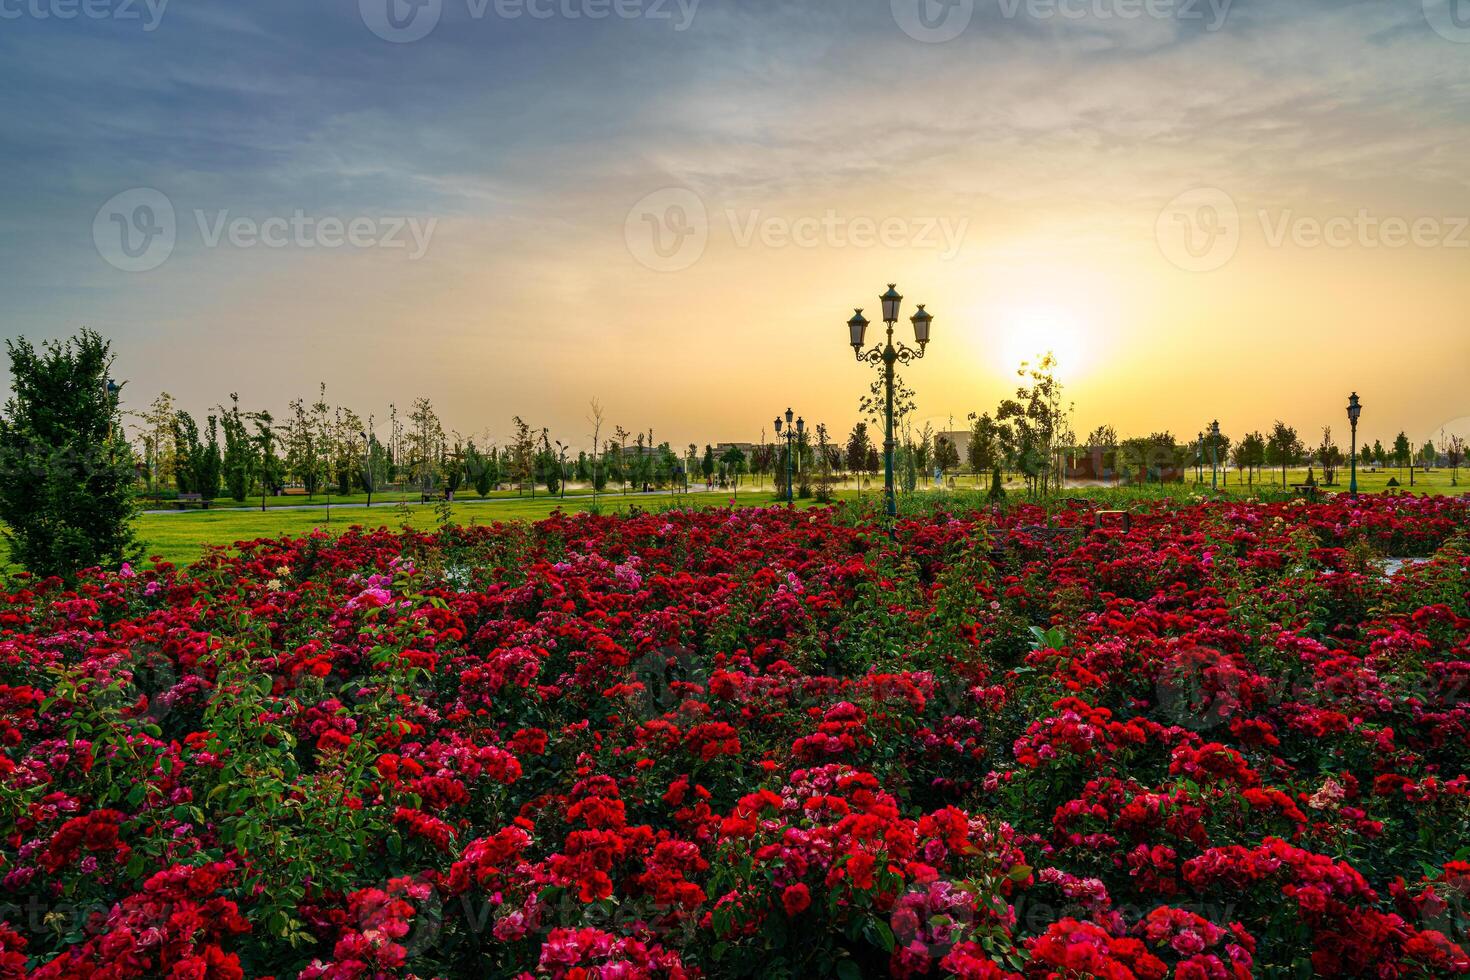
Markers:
<point>1284,447</point>
<point>269,468</point>
<point>1454,455</point>
<point>733,461</point>
<point>858,445</point>
<point>1329,457</point>
<point>67,474</point>
<point>707,464</point>
<point>595,417</point>
<point>946,456</point>
<point>199,462</point>
<point>1102,437</point>
<point>522,453</point>
<point>303,448</point>
<point>984,449</point>
<point>236,464</point>
<point>1402,453</point>
<point>1038,421</point>
<point>157,432</point>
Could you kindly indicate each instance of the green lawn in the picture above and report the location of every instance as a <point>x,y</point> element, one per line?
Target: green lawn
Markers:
<point>181,537</point>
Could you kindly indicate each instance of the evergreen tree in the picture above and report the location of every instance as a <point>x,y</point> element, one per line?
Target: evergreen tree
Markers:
<point>66,471</point>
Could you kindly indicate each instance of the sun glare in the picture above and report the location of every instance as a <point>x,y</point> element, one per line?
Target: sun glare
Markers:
<point>1033,331</point>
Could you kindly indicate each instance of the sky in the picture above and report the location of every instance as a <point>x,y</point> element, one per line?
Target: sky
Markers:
<point>1207,209</point>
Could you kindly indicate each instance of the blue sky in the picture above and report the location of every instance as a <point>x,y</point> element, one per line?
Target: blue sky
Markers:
<point>1052,135</point>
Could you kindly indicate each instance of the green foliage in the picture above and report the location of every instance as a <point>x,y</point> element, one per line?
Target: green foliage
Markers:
<point>66,472</point>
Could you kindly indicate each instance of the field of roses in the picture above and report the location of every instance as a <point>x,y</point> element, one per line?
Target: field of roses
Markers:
<point>1227,742</point>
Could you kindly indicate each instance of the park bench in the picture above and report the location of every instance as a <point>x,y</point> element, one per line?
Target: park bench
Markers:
<point>1308,490</point>
<point>1123,517</point>
<point>1050,539</point>
<point>185,499</point>
<point>435,496</point>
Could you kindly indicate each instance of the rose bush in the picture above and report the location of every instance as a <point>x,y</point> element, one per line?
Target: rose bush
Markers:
<point>1222,744</point>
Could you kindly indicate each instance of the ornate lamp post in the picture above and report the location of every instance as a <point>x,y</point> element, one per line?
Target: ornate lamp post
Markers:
<point>792,433</point>
<point>888,354</point>
<point>1215,455</point>
<point>1355,412</point>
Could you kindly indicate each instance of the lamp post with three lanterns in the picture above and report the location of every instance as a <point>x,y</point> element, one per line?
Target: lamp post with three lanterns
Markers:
<point>889,354</point>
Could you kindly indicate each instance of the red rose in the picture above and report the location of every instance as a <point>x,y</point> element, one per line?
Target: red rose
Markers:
<point>797,899</point>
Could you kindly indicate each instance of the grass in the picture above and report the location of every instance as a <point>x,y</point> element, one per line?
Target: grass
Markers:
<point>181,537</point>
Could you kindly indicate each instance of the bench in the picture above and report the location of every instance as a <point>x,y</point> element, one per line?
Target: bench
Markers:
<point>436,496</point>
<point>1308,490</point>
<point>185,499</point>
<point>1124,517</point>
<point>1049,538</point>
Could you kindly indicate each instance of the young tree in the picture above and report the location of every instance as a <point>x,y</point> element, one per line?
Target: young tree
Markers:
<point>157,437</point>
<point>1454,455</point>
<point>67,473</point>
<point>522,453</point>
<point>984,449</point>
<point>199,462</point>
<point>946,456</point>
<point>733,461</point>
<point>596,418</point>
<point>1402,453</point>
<point>269,468</point>
<point>236,464</point>
<point>1329,457</point>
<point>858,445</point>
<point>1284,447</point>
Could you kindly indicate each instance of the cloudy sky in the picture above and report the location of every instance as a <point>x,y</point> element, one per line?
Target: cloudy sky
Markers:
<point>1242,210</point>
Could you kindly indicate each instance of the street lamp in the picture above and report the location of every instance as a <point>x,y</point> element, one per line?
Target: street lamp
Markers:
<point>1215,455</point>
<point>888,354</point>
<point>1355,412</point>
<point>793,432</point>
<point>367,467</point>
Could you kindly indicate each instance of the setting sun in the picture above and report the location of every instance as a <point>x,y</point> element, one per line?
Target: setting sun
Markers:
<point>1033,331</point>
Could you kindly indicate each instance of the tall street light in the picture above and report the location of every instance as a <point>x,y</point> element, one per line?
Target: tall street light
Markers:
<point>1215,455</point>
<point>1355,412</point>
<point>367,466</point>
<point>792,432</point>
<point>888,354</point>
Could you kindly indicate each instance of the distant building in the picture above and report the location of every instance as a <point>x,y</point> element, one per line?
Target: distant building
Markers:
<point>960,439</point>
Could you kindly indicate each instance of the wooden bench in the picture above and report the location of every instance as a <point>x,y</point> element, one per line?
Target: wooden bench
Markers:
<point>185,499</point>
<point>436,496</point>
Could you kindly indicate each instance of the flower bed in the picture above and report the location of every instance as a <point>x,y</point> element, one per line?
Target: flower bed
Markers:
<point>755,743</point>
